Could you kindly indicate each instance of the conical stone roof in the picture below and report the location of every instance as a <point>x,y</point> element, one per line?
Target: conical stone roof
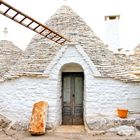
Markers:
<point>135,57</point>
<point>137,50</point>
<point>65,21</point>
<point>9,54</point>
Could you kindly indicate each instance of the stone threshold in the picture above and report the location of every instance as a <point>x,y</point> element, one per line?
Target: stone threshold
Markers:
<point>70,129</point>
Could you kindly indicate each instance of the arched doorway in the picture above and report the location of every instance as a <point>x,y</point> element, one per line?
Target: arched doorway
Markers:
<point>72,94</point>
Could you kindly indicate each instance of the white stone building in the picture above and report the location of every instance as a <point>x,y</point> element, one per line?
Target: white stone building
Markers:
<point>79,80</point>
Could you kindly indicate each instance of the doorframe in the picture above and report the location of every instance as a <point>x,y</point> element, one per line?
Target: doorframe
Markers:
<point>72,73</point>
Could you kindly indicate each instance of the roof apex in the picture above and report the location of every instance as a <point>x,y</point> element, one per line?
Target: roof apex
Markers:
<point>65,8</point>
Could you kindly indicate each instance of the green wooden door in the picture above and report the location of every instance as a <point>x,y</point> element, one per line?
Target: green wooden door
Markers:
<point>72,101</point>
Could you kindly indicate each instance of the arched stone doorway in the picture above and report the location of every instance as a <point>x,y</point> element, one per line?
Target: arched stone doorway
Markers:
<point>72,94</point>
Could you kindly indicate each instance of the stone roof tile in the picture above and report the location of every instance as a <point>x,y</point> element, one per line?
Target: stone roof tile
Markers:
<point>41,51</point>
<point>9,54</point>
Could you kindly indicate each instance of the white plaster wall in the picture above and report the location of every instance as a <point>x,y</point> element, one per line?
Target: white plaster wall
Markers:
<point>18,96</point>
<point>100,95</point>
<point>70,55</point>
<point>104,96</point>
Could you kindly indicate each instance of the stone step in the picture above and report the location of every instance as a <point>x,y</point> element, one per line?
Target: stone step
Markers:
<point>70,129</point>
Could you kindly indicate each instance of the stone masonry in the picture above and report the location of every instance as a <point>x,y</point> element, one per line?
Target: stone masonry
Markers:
<point>9,54</point>
<point>40,51</point>
<point>100,95</point>
<point>108,81</point>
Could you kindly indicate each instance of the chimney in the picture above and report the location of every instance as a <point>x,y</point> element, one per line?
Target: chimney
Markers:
<point>112,31</point>
<point>5,33</point>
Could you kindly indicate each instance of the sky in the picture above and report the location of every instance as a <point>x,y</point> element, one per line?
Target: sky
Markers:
<point>92,11</point>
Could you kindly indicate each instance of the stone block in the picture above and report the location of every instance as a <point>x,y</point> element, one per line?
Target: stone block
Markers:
<point>37,123</point>
<point>137,124</point>
<point>104,123</point>
<point>18,126</point>
<point>4,122</point>
<point>122,130</point>
<point>126,130</point>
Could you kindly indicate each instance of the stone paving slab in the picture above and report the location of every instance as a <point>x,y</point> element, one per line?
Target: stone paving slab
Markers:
<point>70,129</point>
<point>3,136</point>
<point>80,137</point>
<point>24,135</point>
<point>73,136</point>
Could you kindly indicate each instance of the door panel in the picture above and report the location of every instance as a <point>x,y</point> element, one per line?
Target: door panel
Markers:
<point>67,90</point>
<point>72,110</point>
<point>67,113</point>
<point>78,101</point>
<point>78,90</point>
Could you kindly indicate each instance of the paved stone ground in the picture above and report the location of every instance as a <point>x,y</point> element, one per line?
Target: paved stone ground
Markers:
<point>79,137</point>
<point>73,136</point>
<point>3,136</point>
<point>60,135</point>
<point>22,135</point>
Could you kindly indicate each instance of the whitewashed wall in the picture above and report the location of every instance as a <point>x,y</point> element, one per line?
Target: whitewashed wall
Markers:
<point>18,96</point>
<point>104,96</point>
<point>100,95</point>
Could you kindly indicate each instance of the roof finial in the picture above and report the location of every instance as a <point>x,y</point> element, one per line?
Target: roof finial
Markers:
<point>5,32</point>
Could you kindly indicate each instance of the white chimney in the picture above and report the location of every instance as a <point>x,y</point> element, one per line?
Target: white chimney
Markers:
<point>112,32</point>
